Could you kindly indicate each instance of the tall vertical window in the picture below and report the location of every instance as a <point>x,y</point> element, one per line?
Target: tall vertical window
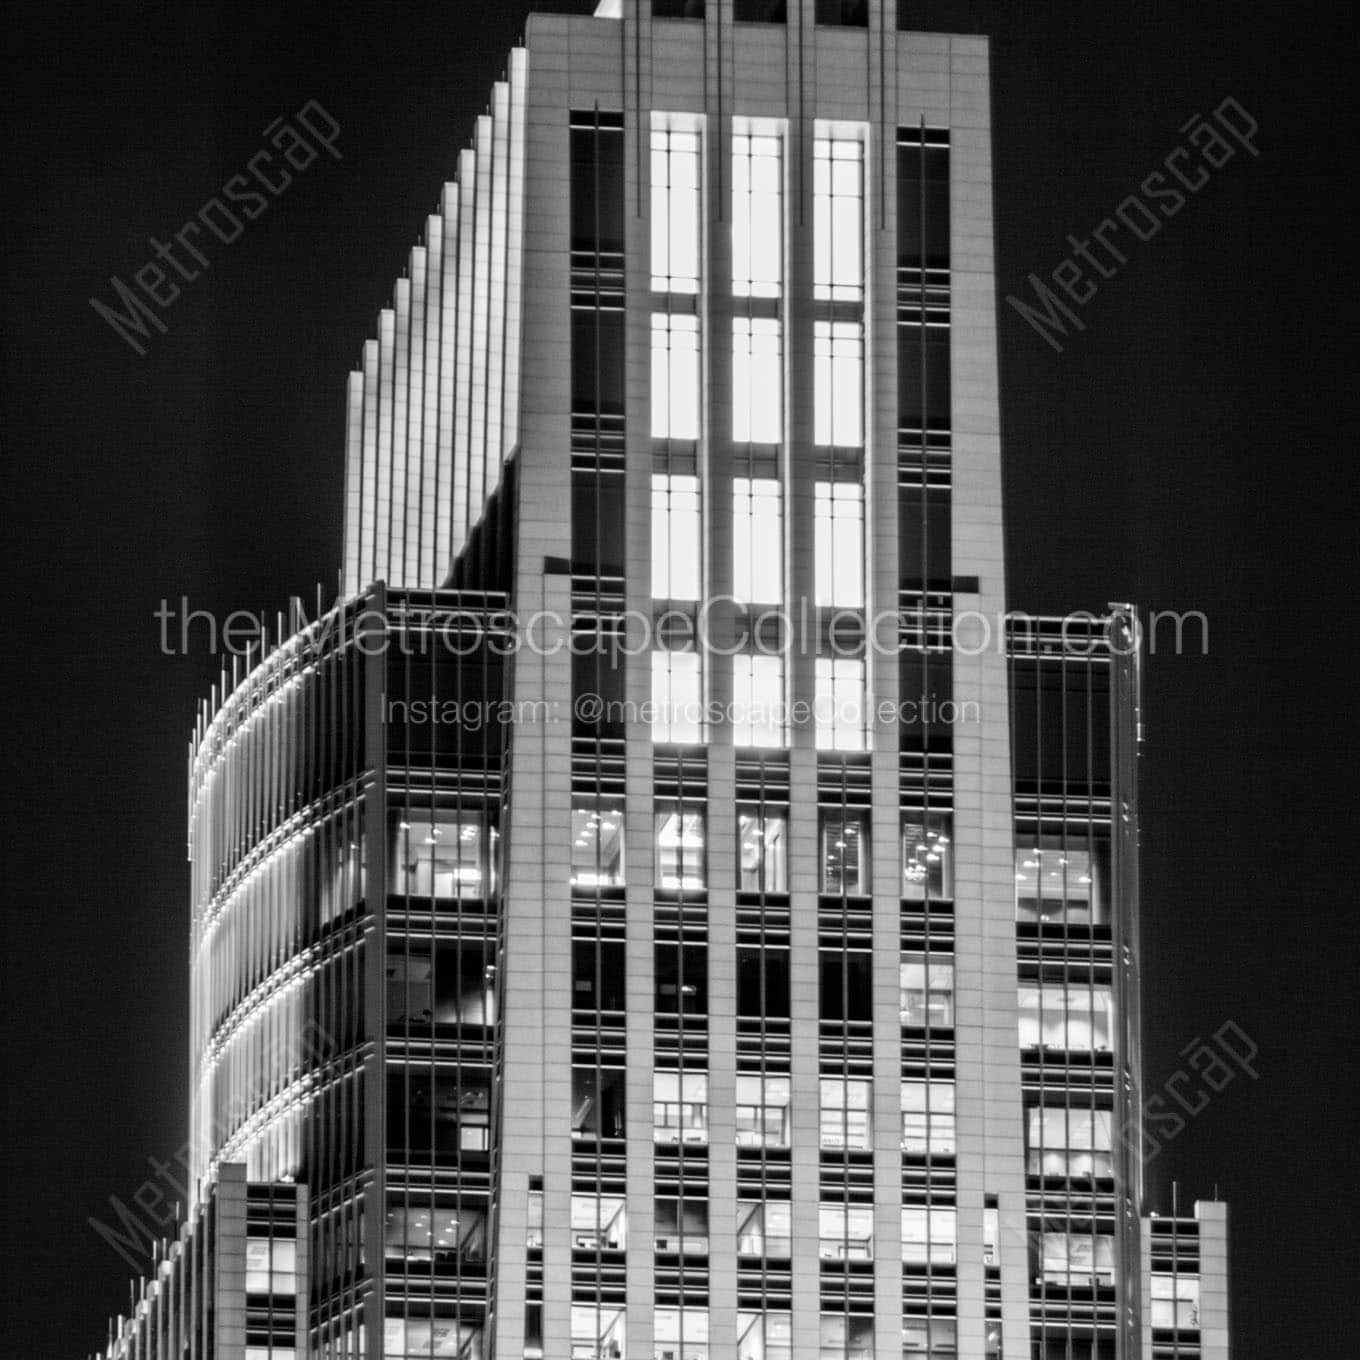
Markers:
<point>675,376</point>
<point>757,380</point>
<point>677,697</point>
<point>757,700</point>
<point>923,199</point>
<point>675,209</point>
<point>680,1107</point>
<point>838,383</point>
<point>838,217</point>
<point>845,852</point>
<point>838,705</point>
<point>838,544</point>
<point>927,856</point>
<point>762,1111</point>
<point>757,214</point>
<point>597,182</point>
<point>675,537</point>
<point>927,991</point>
<point>845,1114</point>
<point>762,845</point>
<point>928,1118</point>
<point>679,845</point>
<point>757,540</point>
<point>596,843</point>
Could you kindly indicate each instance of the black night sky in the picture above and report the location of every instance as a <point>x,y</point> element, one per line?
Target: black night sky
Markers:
<point>1192,448</point>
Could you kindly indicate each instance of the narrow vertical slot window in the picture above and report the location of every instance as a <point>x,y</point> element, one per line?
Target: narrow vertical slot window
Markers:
<point>675,376</point>
<point>757,540</point>
<point>757,700</point>
<point>757,380</point>
<point>675,210</point>
<point>677,697</point>
<point>838,383</point>
<point>757,215</point>
<point>838,218</point>
<point>839,704</point>
<point>675,537</point>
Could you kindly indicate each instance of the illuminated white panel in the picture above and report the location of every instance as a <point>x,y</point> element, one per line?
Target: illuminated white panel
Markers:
<point>415,424</point>
<point>354,472</point>
<point>838,216</point>
<point>481,325</point>
<point>387,331</point>
<point>675,171</point>
<point>757,214</point>
<point>757,380</point>
<point>495,358</point>
<point>462,376</point>
<point>451,214</point>
<point>757,540</point>
<point>675,376</point>
<point>758,700</point>
<point>427,555</point>
<point>676,550</point>
<point>519,75</point>
<point>838,380</point>
<point>372,361</point>
<point>839,704</point>
<point>677,697</point>
<point>394,526</point>
<point>838,544</point>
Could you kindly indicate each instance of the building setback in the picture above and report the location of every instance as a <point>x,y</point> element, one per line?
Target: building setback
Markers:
<point>665,910</point>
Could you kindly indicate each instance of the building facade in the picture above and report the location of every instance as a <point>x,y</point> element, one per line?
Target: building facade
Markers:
<point>666,908</point>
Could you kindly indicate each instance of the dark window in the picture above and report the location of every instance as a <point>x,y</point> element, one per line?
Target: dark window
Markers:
<point>681,979</point>
<point>449,983</point>
<point>923,377</point>
<point>596,188</point>
<point>847,989</point>
<point>597,975</point>
<point>844,13</point>
<point>597,1102</point>
<point>923,527</point>
<point>926,692</point>
<point>677,9</point>
<point>437,1118</point>
<point>597,523</point>
<point>923,207</point>
<point>597,361</point>
<point>1060,726</point>
<point>763,983</point>
<point>761,12</point>
<point>598,668</point>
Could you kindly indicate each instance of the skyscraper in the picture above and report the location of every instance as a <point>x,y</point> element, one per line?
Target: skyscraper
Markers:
<point>666,908</point>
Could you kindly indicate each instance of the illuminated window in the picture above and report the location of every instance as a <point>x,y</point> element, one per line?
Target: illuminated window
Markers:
<point>845,1232</point>
<point>422,1338</point>
<point>680,1334</point>
<point>443,852</point>
<point>762,1111</point>
<point>928,1235</point>
<point>839,704</point>
<point>677,697</point>
<point>764,1336</point>
<point>757,700</point>
<point>675,210</point>
<point>598,1331</point>
<point>929,1338</point>
<point>845,852</point>
<point>675,376</point>
<point>680,1226</point>
<point>440,1237</point>
<point>679,845</point>
<point>927,856</point>
<point>764,1229</point>
<point>838,383</point>
<point>928,1118</point>
<point>1061,883</point>
<point>838,544</point>
<point>927,991</point>
<point>845,1114</point>
<point>1077,1019</point>
<point>757,540</point>
<point>597,844</point>
<point>680,1107</point>
<point>1077,1260</point>
<point>757,216</point>
<point>597,1103</point>
<point>757,380</point>
<point>762,844</point>
<point>838,218</point>
<point>675,537</point>
<point>598,1223</point>
<point>1069,1142</point>
<point>271,1265</point>
<point>1175,1301</point>
<point>845,1338</point>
